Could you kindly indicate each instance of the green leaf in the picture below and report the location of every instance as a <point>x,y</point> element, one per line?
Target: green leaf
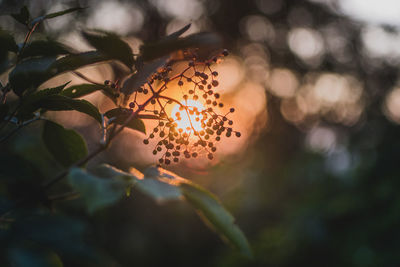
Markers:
<point>176,34</point>
<point>29,103</point>
<point>75,61</point>
<point>7,42</point>
<point>30,74</point>
<point>207,205</point>
<point>154,50</point>
<point>59,102</point>
<point>44,48</point>
<point>135,81</point>
<point>80,90</point>
<point>216,216</point>
<point>120,116</point>
<point>67,146</point>
<point>117,112</point>
<point>60,13</point>
<point>97,192</point>
<point>163,185</point>
<point>111,45</point>
<point>158,190</point>
<point>23,16</point>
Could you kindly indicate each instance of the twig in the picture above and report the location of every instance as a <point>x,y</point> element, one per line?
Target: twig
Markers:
<point>80,75</point>
<point>27,36</point>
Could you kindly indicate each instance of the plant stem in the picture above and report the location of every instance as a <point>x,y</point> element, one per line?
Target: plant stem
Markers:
<point>28,35</point>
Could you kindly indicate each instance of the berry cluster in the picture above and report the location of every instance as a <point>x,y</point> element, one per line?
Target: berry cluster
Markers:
<point>195,126</point>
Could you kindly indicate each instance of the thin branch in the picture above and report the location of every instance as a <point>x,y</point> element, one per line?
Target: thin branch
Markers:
<point>27,36</point>
<point>80,75</point>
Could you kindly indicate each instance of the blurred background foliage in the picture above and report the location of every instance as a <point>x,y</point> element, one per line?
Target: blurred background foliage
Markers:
<point>313,180</point>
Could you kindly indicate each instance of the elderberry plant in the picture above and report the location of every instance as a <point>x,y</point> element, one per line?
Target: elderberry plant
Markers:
<point>204,125</point>
<point>192,129</point>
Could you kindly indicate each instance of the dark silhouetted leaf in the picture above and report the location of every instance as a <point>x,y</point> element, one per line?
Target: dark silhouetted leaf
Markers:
<point>120,116</point>
<point>133,82</point>
<point>216,215</point>
<point>58,103</point>
<point>162,185</point>
<point>154,50</point>
<point>29,103</point>
<point>23,16</point>
<point>55,14</point>
<point>80,90</point>
<point>176,34</point>
<point>60,13</point>
<point>67,146</point>
<point>30,74</point>
<point>98,192</point>
<point>75,61</point>
<point>207,205</point>
<point>111,45</point>
<point>44,48</point>
<point>7,42</point>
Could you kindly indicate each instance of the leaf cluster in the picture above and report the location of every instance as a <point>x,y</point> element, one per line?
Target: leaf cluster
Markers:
<point>33,63</point>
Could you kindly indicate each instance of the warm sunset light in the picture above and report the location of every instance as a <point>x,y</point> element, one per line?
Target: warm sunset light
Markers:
<point>186,119</point>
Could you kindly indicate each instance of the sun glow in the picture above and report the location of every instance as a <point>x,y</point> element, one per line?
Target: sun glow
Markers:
<point>188,118</point>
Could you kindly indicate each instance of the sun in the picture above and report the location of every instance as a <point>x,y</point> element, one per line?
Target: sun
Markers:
<point>190,118</point>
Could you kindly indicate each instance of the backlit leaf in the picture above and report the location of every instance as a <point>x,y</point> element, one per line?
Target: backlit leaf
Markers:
<point>96,191</point>
<point>154,50</point>
<point>44,48</point>
<point>207,205</point>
